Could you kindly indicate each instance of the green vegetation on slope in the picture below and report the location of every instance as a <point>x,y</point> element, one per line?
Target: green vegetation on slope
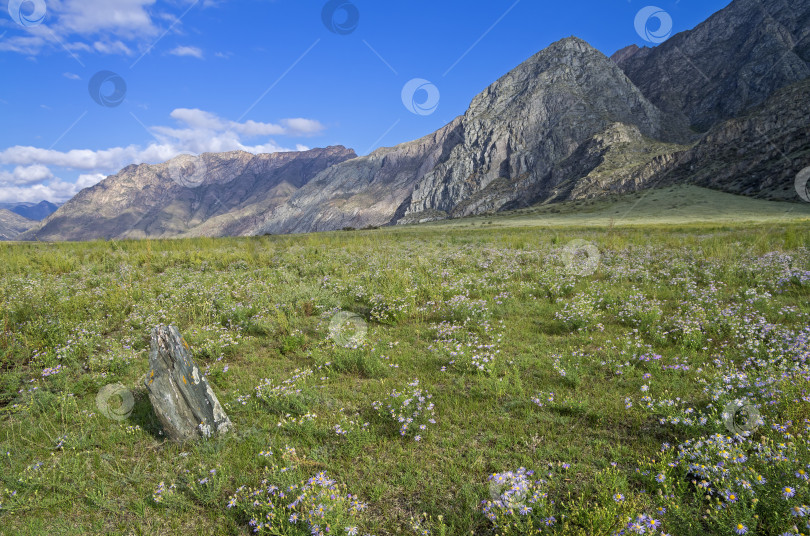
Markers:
<point>675,205</point>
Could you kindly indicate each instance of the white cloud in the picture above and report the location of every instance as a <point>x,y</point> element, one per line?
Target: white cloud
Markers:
<point>112,47</point>
<point>193,52</point>
<point>88,180</point>
<point>56,191</point>
<point>72,76</point>
<point>303,127</point>
<point>123,27</point>
<point>125,18</point>
<point>198,131</point>
<point>26,175</point>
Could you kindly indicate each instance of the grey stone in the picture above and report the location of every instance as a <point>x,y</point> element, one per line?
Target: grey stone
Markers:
<point>182,398</point>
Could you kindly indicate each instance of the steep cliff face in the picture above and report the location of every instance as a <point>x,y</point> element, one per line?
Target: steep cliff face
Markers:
<point>758,154</point>
<point>519,128</point>
<point>731,62</point>
<point>214,194</point>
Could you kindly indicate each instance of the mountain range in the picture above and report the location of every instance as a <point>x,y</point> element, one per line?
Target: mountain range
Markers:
<point>725,105</point>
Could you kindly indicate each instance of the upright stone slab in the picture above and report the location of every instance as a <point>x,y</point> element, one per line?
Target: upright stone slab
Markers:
<point>183,400</point>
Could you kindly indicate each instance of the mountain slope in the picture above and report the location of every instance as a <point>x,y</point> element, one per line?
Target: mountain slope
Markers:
<point>222,195</point>
<point>367,191</point>
<point>12,224</point>
<point>732,61</point>
<point>522,126</point>
<point>758,154</point>
<point>618,160</point>
<point>501,151</point>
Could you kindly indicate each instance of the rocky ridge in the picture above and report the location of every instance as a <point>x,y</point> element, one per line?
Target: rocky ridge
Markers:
<point>225,194</point>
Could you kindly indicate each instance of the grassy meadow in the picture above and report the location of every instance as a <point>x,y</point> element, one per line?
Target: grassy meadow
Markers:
<point>507,379</point>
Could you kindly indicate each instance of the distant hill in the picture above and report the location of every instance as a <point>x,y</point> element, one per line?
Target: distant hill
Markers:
<point>12,224</point>
<point>32,211</point>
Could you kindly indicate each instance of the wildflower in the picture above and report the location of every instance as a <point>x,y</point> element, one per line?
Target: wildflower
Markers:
<point>351,531</point>
<point>788,492</point>
<point>618,497</point>
<point>660,477</point>
<point>740,528</point>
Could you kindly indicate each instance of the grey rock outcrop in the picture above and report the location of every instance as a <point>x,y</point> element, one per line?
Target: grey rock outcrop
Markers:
<point>182,398</point>
<point>618,160</point>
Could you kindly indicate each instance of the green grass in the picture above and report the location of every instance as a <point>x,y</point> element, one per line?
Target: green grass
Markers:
<point>673,205</point>
<point>262,306</point>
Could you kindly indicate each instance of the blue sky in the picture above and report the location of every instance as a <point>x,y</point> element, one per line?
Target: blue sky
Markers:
<point>191,76</point>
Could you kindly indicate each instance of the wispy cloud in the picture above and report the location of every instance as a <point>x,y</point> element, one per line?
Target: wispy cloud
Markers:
<point>194,52</point>
<point>121,27</point>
